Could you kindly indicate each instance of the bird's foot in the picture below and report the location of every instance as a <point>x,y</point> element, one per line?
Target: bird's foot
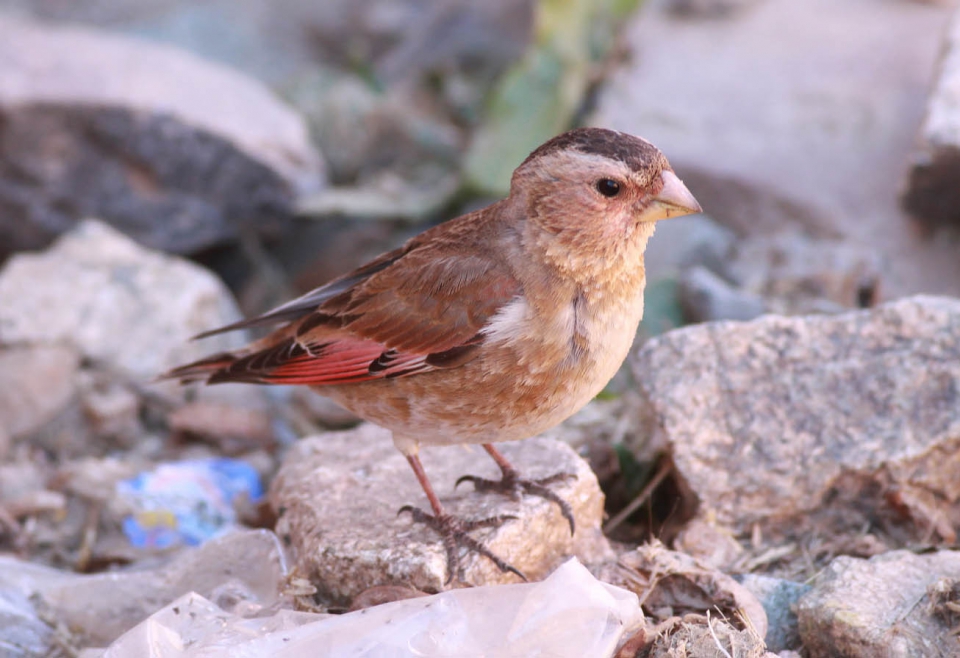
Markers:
<point>453,533</point>
<point>511,484</point>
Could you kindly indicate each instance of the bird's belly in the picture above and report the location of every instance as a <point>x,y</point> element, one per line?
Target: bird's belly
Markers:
<point>509,392</point>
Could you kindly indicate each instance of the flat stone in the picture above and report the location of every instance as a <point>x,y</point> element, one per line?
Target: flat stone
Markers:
<point>174,151</point>
<point>806,129</point>
<point>932,192</point>
<point>894,605</point>
<point>337,497</point>
<point>776,420</point>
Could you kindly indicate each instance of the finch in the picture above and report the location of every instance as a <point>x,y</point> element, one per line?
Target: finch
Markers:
<point>493,326</point>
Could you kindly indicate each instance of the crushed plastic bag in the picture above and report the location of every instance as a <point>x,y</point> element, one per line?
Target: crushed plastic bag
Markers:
<point>571,613</point>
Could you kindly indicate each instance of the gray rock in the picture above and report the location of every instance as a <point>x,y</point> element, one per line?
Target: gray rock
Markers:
<point>22,633</point>
<point>704,297</point>
<point>932,192</point>
<point>337,497</point>
<point>778,597</point>
<point>890,606</point>
<point>125,311</point>
<point>796,273</point>
<point>697,240</point>
<point>112,301</point>
<point>850,418</point>
<point>178,153</point>
<point>796,115</point>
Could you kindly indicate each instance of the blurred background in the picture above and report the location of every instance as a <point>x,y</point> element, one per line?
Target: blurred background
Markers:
<point>350,124</point>
<point>166,166</point>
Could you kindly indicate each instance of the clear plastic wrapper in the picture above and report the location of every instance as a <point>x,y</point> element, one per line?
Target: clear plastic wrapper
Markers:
<point>571,613</point>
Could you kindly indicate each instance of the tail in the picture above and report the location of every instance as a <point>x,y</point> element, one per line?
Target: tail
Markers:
<point>201,370</point>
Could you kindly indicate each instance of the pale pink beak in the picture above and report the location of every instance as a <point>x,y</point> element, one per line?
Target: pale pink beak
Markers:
<point>674,200</point>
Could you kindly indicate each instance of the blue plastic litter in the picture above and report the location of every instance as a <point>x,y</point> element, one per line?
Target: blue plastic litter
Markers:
<point>186,503</point>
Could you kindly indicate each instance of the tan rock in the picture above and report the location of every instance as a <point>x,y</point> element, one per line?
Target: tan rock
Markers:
<point>892,605</point>
<point>36,383</point>
<point>337,496</point>
<point>780,419</point>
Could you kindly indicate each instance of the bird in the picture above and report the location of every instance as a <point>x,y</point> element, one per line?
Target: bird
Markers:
<point>490,327</point>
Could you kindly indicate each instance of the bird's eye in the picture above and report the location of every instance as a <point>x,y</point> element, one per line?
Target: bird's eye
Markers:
<point>608,187</point>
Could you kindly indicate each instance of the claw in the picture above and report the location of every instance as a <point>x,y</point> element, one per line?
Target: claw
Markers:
<point>511,484</point>
<point>453,534</point>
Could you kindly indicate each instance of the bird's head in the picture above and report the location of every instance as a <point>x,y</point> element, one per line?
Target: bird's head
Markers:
<point>593,191</point>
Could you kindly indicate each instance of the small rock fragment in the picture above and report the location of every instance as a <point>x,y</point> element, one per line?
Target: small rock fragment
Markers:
<point>894,604</point>
<point>233,429</point>
<point>778,597</point>
<point>706,297</point>
<point>337,497</point>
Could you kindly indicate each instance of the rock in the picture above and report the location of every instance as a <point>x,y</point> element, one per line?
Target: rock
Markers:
<point>932,193</point>
<point>22,632</point>
<point>111,409</point>
<point>896,604</point>
<point>233,430</point>
<point>337,497</point>
<point>112,301</point>
<point>175,152</point>
<point>709,544</point>
<point>37,382</point>
<point>784,141</point>
<point>705,297</point>
<point>796,273</point>
<point>842,421</point>
<point>697,240</point>
<point>778,597</point>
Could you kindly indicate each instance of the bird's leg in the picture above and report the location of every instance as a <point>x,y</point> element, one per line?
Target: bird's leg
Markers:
<point>452,530</point>
<point>511,484</point>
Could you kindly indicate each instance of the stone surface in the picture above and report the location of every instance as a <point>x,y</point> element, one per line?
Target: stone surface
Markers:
<point>36,383</point>
<point>932,192</point>
<point>849,418</point>
<point>808,128</point>
<point>22,632</point>
<point>796,273</point>
<point>178,153</point>
<point>778,598</point>
<point>113,301</point>
<point>705,297</point>
<point>894,605</point>
<point>695,240</point>
<point>337,497</point>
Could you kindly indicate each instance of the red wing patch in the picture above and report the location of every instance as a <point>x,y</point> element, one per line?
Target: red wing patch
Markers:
<point>344,361</point>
